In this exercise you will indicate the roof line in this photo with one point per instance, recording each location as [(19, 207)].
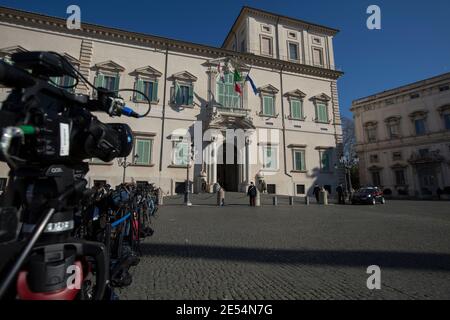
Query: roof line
[(402, 88), (330, 73), (333, 30)]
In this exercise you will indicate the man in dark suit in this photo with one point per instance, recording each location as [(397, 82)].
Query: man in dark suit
[(252, 194)]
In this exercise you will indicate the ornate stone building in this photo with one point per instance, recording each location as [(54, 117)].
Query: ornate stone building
[(291, 127), (403, 138)]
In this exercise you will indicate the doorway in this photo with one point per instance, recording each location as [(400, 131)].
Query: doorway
[(228, 174)]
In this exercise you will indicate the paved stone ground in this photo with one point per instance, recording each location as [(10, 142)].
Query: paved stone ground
[(300, 252)]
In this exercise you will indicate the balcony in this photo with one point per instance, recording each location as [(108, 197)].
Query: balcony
[(233, 118)]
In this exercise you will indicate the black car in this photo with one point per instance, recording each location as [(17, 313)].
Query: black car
[(368, 196)]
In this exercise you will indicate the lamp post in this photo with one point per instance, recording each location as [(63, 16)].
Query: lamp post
[(122, 162)]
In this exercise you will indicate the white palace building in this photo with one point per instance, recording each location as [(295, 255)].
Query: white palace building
[(290, 119)]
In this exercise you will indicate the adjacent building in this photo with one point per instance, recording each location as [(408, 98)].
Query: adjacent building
[(291, 125), (403, 138)]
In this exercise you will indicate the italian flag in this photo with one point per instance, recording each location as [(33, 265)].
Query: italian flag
[(237, 79)]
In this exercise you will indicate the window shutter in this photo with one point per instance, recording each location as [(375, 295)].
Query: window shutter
[(172, 95), (99, 80), (139, 87), (154, 96), (117, 83), (191, 95)]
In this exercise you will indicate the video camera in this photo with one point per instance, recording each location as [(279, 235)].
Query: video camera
[(46, 133)]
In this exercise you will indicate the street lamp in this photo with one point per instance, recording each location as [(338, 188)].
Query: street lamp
[(348, 163), (122, 162)]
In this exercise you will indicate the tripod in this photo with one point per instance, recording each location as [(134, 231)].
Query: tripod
[(47, 200)]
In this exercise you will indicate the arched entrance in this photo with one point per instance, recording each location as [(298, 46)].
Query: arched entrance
[(228, 173)]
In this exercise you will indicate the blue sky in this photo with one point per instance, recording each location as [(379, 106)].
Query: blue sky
[(414, 42)]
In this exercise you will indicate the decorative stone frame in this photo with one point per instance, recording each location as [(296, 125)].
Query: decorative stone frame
[(271, 91), (184, 78), (299, 51), (146, 73), (300, 96), (369, 126), (266, 35), (323, 98), (390, 121), (418, 115)]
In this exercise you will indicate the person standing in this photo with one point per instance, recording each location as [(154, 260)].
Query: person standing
[(220, 196), (340, 192), (252, 192), (316, 192)]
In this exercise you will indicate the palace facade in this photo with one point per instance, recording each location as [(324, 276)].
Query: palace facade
[(291, 124)]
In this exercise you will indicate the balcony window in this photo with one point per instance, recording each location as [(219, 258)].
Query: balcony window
[(226, 93)]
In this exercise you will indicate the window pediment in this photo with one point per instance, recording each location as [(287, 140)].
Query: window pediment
[(444, 109), (399, 166), (11, 50), (418, 114), (147, 71), (109, 66), (393, 120), (322, 97), (270, 89), (370, 124), (183, 76), (295, 94), (375, 168)]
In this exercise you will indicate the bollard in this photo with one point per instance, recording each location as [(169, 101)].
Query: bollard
[(307, 200), (160, 197), (258, 199), (275, 201), (291, 201), (323, 197)]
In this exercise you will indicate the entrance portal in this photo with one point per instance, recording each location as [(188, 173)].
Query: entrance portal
[(228, 174)]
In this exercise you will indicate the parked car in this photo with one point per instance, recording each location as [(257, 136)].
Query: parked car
[(368, 196)]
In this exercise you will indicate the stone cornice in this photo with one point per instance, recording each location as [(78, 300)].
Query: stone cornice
[(39, 21)]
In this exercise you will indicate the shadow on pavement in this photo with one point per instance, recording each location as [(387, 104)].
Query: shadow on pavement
[(384, 259)]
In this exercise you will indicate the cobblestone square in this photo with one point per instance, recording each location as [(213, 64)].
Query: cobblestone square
[(302, 252)]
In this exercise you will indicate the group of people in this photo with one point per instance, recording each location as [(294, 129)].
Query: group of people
[(340, 190)]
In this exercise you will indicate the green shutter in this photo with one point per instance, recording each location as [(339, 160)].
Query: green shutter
[(139, 87), (191, 95), (296, 111), (100, 81), (154, 96), (117, 83)]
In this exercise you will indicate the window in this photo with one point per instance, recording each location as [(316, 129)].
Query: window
[(109, 82), (325, 160), (317, 40), (266, 46), (301, 189), (226, 93), (3, 182), (374, 158), (293, 51), (424, 153), (150, 88), (64, 81), (397, 156), (296, 109), (371, 132), (444, 88), (272, 189), (265, 28), (322, 112), (394, 130), (447, 121), (292, 34), (143, 151), (270, 158), (183, 94), (317, 57), (419, 125), (268, 106), (376, 178), (390, 102), (299, 160), (180, 153), (415, 96), (400, 177)]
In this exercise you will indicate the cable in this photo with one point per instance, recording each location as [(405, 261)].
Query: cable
[(86, 81)]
